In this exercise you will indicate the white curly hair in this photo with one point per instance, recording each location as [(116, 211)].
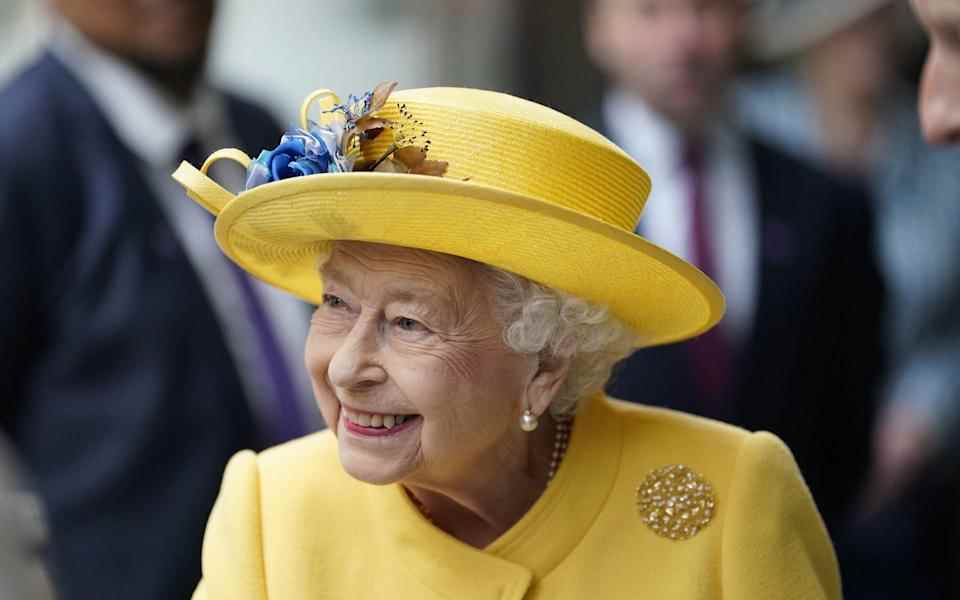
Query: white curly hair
[(550, 323)]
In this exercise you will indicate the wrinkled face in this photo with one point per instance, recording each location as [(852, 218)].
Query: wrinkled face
[(940, 89), (159, 34), (677, 54), (408, 364)]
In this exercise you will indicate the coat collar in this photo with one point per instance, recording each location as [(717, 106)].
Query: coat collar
[(537, 543)]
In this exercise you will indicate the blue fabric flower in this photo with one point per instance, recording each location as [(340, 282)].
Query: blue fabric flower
[(299, 153)]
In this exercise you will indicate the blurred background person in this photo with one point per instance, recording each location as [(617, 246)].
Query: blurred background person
[(23, 573), (940, 97), (798, 351), (840, 98), (127, 383)]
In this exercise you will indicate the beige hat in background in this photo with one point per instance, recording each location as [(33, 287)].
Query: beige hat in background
[(780, 28)]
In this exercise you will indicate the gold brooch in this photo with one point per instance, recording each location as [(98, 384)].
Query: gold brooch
[(675, 502)]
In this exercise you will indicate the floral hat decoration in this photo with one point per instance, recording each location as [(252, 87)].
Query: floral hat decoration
[(333, 145), (471, 173)]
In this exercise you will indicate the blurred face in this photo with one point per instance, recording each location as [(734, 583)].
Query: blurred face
[(862, 57), (161, 35), (676, 54), (940, 89), (409, 367)]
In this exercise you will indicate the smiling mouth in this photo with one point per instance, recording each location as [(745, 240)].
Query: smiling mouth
[(376, 424)]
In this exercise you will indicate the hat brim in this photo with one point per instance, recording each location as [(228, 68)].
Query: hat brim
[(276, 232)]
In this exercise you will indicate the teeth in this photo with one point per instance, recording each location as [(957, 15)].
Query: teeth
[(378, 420)]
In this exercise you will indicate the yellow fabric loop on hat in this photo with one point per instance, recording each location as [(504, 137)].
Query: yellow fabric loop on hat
[(238, 156), (327, 99), (201, 188)]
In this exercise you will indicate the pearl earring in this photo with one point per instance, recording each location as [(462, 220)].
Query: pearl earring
[(528, 421)]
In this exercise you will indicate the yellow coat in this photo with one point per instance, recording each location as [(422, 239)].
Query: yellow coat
[(291, 525)]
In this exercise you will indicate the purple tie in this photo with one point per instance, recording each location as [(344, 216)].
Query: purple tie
[(709, 353), (284, 420)]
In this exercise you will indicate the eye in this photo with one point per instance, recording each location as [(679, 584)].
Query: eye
[(408, 324), (333, 301)]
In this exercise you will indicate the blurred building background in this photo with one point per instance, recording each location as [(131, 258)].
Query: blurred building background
[(279, 53)]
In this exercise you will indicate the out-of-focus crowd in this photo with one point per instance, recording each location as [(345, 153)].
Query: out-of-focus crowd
[(135, 359)]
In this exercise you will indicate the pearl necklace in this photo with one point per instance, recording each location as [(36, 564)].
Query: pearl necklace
[(561, 438)]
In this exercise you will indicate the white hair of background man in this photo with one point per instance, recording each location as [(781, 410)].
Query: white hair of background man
[(23, 535), (23, 29)]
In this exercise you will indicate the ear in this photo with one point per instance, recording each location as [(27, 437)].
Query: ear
[(545, 384)]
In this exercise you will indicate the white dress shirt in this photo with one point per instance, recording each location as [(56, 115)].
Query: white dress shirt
[(731, 205), (156, 128)]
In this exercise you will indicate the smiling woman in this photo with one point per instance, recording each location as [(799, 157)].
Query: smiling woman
[(476, 276)]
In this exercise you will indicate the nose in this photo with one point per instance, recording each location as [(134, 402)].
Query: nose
[(354, 364), (940, 99)]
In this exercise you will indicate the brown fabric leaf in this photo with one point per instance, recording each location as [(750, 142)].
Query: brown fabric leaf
[(367, 123), (436, 168), (380, 94), (391, 166), (371, 134), (412, 156)]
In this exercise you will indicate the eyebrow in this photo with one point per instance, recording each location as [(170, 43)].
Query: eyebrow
[(397, 292), (327, 273)]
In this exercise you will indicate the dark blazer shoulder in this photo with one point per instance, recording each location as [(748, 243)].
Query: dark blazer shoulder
[(253, 124), (35, 108), (776, 168)]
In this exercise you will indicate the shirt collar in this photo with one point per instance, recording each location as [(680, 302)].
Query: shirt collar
[(149, 121), (644, 134), (651, 139)]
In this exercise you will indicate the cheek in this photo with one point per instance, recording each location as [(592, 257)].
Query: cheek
[(460, 389), (317, 355)]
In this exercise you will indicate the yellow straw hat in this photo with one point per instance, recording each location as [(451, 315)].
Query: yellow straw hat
[(524, 188)]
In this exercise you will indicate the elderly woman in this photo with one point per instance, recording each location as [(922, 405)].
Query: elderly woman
[(476, 275)]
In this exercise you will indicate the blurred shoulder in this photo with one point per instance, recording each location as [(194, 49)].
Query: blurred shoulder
[(784, 175), (31, 103), (256, 127)]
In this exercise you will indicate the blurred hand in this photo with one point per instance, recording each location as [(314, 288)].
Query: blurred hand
[(904, 442)]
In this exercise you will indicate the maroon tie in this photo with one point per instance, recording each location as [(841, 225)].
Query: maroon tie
[(710, 353)]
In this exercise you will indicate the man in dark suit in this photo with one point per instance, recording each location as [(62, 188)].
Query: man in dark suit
[(798, 352), (125, 368)]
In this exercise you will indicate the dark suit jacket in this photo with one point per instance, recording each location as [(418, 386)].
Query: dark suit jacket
[(810, 366), (117, 386)]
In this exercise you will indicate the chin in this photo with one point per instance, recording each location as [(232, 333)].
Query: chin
[(370, 469)]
